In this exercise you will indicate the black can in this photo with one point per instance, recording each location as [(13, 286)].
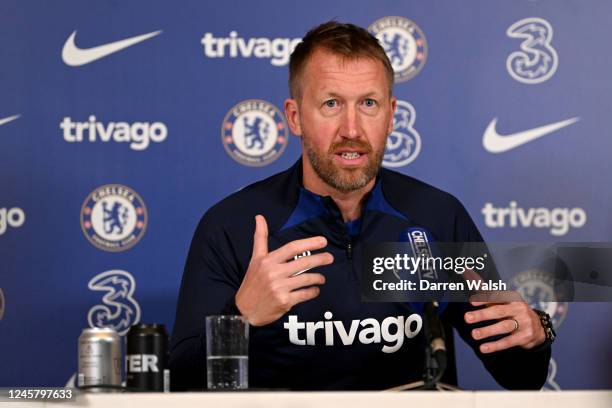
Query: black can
[(147, 358)]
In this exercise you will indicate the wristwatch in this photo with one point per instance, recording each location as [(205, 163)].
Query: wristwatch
[(549, 330)]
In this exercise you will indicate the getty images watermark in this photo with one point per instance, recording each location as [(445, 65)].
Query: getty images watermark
[(420, 270)]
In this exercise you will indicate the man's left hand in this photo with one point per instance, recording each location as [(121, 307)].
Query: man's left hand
[(514, 318)]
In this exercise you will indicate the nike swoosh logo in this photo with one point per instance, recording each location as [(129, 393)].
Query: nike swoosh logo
[(493, 142), (9, 119), (75, 56)]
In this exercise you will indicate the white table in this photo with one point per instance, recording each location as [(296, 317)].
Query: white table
[(428, 399)]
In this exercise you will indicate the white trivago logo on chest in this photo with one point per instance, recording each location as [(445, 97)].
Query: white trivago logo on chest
[(391, 330)]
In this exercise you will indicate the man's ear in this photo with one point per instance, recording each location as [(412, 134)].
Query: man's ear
[(292, 114), (393, 106)]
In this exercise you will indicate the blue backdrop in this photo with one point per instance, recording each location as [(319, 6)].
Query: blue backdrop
[(479, 82)]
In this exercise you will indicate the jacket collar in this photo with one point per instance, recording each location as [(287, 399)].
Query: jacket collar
[(311, 205)]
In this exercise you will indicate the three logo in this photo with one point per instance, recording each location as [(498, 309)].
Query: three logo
[(118, 310), (404, 143), (537, 61)]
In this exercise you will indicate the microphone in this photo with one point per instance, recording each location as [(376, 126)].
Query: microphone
[(436, 359), (434, 335)]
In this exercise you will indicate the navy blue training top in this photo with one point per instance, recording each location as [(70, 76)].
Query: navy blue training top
[(334, 341)]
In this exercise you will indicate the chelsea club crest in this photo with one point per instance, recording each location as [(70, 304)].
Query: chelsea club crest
[(113, 217), (254, 133), (404, 43), (538, 288)]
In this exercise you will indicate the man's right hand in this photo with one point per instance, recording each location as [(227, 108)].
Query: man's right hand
[(269, 288)]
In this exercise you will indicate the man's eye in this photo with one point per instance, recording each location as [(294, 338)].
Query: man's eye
[(332, 103), (369, 102)]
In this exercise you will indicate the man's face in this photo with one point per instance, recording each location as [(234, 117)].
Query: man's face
[(344, 116)]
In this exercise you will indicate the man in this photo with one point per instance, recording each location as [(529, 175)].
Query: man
[(309, 330)]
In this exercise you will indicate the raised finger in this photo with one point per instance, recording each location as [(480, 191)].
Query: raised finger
[(260, 238), (302, 295), (297, 247), (507, 342), (503, 327), (495, 296), (305, 263), (303, 280), (494, 312)]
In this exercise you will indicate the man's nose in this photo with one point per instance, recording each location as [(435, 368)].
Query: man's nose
[(350, 127)]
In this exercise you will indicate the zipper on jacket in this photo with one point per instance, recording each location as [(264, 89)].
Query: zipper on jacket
[(349, 250)]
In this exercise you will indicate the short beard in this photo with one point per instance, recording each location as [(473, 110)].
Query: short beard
[(344, 180)]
